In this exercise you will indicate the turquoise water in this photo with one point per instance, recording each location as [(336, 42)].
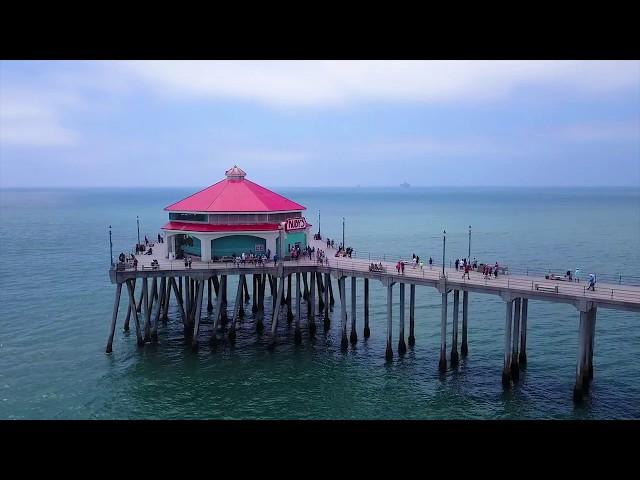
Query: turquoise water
[(56, 301)]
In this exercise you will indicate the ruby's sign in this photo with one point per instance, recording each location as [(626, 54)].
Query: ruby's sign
[(295, 224)]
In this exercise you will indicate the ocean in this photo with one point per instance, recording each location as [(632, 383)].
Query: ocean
[(56, 301)]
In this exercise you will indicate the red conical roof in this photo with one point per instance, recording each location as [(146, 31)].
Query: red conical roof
[(235, 194)]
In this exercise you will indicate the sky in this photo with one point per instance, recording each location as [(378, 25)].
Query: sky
[(320, 123)]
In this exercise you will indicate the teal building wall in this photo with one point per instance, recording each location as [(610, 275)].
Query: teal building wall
[(292, 238), (237, 244)]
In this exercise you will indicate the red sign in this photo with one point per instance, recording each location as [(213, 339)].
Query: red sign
[(295, 224)]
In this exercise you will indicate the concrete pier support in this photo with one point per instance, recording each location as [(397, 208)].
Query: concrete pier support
[(276, 311), (289, 312), (321, 302), (223, 290), (176, 292), (344, 343), (522, 357), (236, 310), (442, 364), (592, 337), (159, 306), (216, 285), (167, 301), (218, 313), (353, 337), (464, 350), (209, 297), (199, 286), (331, 300), (242, 299), (146, 314), (515, 369), (187, 300), (581, 367), (116, 306), (402, 347), (506, 369), (297, 334), (412, 314), (327, 320), (245, 287), (367, 331), (454, 330), (132, 307), (305, 294), (126, 320), (312, 304), (254, 296), (388, 354), (262, 285)]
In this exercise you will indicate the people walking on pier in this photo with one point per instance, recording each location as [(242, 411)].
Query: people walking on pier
[(577, 275), (430, 263), (146, 240), (466, 271), (457, 263), (402, 267), (135, 263), (398, 267), (592, 282)]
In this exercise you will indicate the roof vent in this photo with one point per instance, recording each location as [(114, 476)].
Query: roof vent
[(235, 173)]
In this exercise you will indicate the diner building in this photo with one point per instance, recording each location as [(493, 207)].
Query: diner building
[(234, 216)]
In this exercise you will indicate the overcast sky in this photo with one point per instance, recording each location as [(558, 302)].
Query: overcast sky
[(320, 123)]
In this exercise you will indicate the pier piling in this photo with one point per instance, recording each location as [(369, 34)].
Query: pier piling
[(454, 329), (146, 314), (126, 320), (465, 309), (367, 331), (116, 305), (344, 343), (353, 338), (159, 305), (312, 304), (442, 364), (412, 311), (327, 282), (236, 310), (506, 373), (578, 389), (402, 347), (522, 357), (515, 369), (297, 334), (132, 305), (388, 354), (199, 285), (321, 303), (289, 312), (209, 298)]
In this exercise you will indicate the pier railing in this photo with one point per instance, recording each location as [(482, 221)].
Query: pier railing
[(533, 271), (355, 267)]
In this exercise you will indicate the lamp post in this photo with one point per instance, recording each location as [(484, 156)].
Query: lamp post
[(444, 244), (318, 223), (110, 246), (138, 220), (344, 247), (469, 256)]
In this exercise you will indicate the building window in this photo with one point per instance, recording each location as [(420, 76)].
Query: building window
[(188, 217)]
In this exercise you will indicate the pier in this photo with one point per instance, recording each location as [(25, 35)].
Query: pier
[(171, 281)]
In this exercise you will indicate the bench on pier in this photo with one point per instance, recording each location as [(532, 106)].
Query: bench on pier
[(226, 259), (145, 267), (547, 288)]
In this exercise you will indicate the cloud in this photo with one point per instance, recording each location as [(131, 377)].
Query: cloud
[(336, 83), (32, 118)]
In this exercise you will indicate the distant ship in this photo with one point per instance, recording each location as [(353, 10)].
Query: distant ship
[(405, 184)]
